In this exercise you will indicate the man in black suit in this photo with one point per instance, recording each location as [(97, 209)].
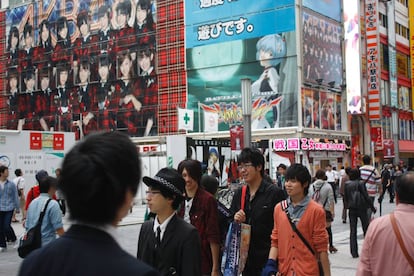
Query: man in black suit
[(99, 180), (168, 243)]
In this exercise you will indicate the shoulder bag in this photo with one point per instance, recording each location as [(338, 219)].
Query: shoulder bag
[(400, 241), (32, 239), (284, 206)]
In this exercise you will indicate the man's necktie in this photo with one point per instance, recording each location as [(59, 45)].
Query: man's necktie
[(158, 237)]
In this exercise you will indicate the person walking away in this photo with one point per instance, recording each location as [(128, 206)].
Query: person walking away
[(344, 180), (288, 254), (261, 198), (34, 192), (200, 209), (52, 221), (382, 252), (323, 195), (59, 195), (9, 201), (97, 201), (331, 178), (386, 184), (358, 202), (372, 180), (19, 181), (167, 242)]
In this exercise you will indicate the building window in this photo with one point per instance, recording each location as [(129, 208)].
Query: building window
[(383, 20), (385, 93), (402, 30), (384, 57)]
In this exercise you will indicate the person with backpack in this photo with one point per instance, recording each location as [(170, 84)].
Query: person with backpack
[(322, 193), (358, 202)]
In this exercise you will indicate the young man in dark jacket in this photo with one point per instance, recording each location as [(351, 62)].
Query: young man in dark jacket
[(358, 202)]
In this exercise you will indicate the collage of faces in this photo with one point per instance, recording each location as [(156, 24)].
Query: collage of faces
[(77, 79)]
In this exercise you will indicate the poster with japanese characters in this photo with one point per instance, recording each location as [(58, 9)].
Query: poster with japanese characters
[(227, 41)]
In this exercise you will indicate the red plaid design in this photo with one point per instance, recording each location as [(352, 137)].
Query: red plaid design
[(125, 39)]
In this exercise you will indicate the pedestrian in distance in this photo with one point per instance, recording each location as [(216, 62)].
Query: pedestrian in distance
[(372, 179), (200, 209), (292, 253), (19, 181), (382, 251), (9, 201), (261, 198), (97, 201), (358, 202), (167, 242), (52, 221), (324, 195), (344, 179)]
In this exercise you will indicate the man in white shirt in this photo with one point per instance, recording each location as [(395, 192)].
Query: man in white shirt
[(19, 181), (331, 178)]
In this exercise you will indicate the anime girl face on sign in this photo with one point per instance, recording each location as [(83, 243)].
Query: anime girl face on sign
[(270, 50)]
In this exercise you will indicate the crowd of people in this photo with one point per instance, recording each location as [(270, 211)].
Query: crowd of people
[(290, 218)]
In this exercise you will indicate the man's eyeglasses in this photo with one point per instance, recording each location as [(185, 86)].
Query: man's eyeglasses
[(152, 193), (244, 166)]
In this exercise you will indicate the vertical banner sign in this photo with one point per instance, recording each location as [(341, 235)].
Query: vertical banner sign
[(392, 56), (35, 140), (371, 21), (352, 56), (411, 22), (58, 141)]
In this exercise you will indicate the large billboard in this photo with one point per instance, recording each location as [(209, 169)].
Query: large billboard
[(322, 50), (82, 66), (264, 53), (352, 56)]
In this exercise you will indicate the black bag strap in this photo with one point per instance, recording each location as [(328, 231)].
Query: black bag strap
[(295, 229), (366, 180), (42, 214)]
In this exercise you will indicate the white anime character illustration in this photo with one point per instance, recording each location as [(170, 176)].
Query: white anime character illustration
[(271, 50)]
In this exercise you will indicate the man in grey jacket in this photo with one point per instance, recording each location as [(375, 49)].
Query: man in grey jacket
[(322, 192)]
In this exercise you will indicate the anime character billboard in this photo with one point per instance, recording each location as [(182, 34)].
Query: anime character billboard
[(264, 53), (83, 66)]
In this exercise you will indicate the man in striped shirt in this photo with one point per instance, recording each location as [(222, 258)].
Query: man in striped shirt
[(372, 179)]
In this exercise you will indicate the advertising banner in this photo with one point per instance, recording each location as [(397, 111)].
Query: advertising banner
[(373, 65), (352, 56), (82, 66)]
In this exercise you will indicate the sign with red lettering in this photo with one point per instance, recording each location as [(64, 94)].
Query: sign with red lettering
[(58, 141), (35, 140), (376, 136)]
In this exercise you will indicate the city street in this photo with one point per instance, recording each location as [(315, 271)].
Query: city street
[(342, 264)]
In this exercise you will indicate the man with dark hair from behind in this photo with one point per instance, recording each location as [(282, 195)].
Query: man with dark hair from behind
[(372, 179), (52, 221), (381, 252), (99, 179), (261, 198)]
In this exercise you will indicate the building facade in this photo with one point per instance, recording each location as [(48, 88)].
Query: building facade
[(86, 65)]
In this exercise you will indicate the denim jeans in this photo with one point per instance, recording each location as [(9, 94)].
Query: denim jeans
[(354, 214), (5, 227)]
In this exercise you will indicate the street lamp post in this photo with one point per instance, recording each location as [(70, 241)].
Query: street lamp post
[(246, 95)]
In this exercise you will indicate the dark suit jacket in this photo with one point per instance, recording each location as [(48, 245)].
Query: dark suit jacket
[(179, 252), (85, 251)]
